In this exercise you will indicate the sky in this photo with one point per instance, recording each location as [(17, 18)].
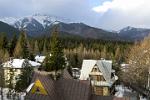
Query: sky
[(106, 14)]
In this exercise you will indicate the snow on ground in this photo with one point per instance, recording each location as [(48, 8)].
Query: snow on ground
[(5, 93), (142, 98), (123, 91), (120, 91)]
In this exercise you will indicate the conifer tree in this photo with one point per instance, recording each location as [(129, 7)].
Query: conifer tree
[(55, 59), (3, 41), (22, 48), (44, 48), (25, 77), (12, 44), (36, 48)]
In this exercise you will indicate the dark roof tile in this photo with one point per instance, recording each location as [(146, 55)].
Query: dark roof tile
[(66, 88)]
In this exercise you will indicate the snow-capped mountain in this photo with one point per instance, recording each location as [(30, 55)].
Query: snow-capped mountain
[(9, 20), (37, 25), (34, 24), (128, 28), (44, 20), (132, 33)]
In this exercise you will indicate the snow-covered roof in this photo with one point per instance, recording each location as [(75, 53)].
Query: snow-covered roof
[(87, 66), (105, 66), (34, 64), (18, 63), (39, 58), (15, 63)]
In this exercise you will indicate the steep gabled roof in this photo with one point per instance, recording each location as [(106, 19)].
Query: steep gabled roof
[(48, 84), (87, 66), (104, 66), (65, 88)]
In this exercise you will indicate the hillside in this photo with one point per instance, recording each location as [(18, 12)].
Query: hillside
[(133, 34), (39, 25), (9, 30)]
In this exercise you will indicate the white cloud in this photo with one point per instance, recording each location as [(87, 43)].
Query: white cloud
[(113, 14), (117, 14), (103, 8), (124, 5)]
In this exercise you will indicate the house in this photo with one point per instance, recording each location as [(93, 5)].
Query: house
[(76, 73), (43, 87), (39, 58), (101, 75), (16, 65), (124, 67)]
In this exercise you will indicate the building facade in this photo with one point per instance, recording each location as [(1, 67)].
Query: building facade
[(13, 68), (100, 74)]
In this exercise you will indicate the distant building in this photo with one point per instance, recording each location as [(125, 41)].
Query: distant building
[(101, 75), (76, 73), (16, 65), (124, 67), (39, 58)]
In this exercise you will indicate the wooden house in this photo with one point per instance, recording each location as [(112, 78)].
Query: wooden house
[(101, 75)]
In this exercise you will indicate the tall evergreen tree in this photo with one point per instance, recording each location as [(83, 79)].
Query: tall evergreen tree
[(22, 49), (3, 41), (24, 78), (36, 48), (12, 44), (44, 48), (55, 60)]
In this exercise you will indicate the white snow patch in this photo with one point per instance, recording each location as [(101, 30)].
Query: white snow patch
[(39, 58), (34, 64), (29, 87), (120, 90), (18, 63)]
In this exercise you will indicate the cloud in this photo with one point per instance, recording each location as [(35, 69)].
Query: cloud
[(76, 10), (124, 5), (104, 7), (117, 14), (109, 14)]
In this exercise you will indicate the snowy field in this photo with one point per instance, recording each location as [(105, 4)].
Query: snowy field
[(19, 96), (123, 91)]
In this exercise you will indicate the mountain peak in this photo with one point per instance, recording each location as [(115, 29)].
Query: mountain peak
[(128, 28)]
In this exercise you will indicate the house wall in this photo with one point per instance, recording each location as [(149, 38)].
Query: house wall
[(99, 90), (17, 72), (96, 76)]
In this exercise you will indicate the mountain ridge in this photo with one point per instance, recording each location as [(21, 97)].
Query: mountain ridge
[(37, 25), (134, 34)]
